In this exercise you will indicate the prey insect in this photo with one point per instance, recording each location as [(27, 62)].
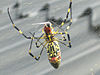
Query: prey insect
[(50, 41)]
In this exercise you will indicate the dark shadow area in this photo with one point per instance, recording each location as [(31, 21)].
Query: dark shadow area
[(89, 14), (46, 9), (0, 11), (18, 13)]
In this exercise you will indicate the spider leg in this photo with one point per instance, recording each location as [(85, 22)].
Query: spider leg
[(38, 40), (69, 41), (67, 15), (68, 45), (36, 58), (27, 37), (40, 44)]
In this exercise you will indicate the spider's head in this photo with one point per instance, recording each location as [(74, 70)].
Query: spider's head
[(47, 28)]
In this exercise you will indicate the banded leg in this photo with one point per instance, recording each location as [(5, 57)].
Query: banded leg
[(69, 41), (27, 37), (62, 34), (39, 44), (38, 40), (70, 15), (36, 58), (64, 39), (67, 15), (64, 44)]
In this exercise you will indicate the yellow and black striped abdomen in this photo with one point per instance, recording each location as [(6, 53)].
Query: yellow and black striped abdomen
[(54, 54)]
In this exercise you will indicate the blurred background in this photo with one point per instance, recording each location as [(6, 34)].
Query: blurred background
[(82, 59)]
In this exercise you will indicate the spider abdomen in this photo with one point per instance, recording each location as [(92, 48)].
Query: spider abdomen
[(54, 54)]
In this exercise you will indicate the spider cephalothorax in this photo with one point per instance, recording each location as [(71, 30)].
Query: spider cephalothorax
[(47, 28)]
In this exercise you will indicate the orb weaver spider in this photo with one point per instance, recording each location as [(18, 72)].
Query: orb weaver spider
[(51, 42)]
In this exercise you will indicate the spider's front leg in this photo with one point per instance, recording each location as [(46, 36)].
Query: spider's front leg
[(20, 31), (66, 18)]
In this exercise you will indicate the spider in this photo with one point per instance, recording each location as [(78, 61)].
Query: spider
[(50, 41)]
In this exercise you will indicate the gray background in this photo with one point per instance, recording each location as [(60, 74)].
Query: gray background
[(82, 59)]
